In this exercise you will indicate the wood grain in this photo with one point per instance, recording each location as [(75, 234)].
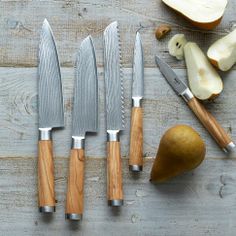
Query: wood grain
[(72, 21), (46, 192), (114, 172), (136, 137), (75, 185), (210, 123)]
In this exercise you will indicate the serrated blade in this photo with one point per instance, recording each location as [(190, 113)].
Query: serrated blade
[(138, 68), (85, 108), (51, 111), (113, 78), (178, 86)]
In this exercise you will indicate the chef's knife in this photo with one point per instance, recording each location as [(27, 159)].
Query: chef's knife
[(84, 119), (136, 130), (114, 116), (208, 121), (51, 115)]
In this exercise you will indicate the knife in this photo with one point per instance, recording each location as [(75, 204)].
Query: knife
[(208, 121), (136, 132), (114, 113), (51, 115), (84, 119)]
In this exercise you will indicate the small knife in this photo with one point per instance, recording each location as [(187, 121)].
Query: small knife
[(84, 119), (136, 130), (114, 116), (208, 121), (51, 115)]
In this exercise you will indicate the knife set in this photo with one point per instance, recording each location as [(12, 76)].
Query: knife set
[(85, 117)]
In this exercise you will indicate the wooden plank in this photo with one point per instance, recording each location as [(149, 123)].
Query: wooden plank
[(20, 23), (198, 203), (162, 109)]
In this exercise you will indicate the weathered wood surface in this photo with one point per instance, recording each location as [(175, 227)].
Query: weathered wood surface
[(198, 203), (162, 109), (21, 21)]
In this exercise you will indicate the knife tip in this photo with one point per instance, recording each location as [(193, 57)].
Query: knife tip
[(111, 26)]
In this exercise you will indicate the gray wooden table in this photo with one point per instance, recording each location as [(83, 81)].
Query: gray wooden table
[(202, 202)]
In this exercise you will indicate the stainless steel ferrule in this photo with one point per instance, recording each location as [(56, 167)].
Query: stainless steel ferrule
[(187, 95), (45, 134), (136, 101), (73, 216), (229, 147), (113, 135), (78, 142)]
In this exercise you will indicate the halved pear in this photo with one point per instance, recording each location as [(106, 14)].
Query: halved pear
[(205, 14), (222, 53), (176, 46), (204, 81)]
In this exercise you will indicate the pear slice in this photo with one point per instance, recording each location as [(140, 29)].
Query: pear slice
[(205, 14), (222, 53), (176, 46), (204, 81)]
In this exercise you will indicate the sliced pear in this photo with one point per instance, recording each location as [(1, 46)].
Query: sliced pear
[(204, 81), (176, 46), (222, 53), (205, 14)]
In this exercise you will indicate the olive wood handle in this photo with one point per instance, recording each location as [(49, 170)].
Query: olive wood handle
[(114, 174), (210, 123), (75, 188), (136, 138), (46, 192)]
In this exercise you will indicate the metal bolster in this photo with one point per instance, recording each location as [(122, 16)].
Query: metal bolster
[(187, 95), (78, 142), (136, 101), (45, 134), (113, 135)]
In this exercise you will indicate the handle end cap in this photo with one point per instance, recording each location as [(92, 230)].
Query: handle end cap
[(73, 216), (135, 168), (229, 147), (115, 202), (47, 209)]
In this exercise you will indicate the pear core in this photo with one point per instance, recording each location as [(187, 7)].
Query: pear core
[(181, 149)]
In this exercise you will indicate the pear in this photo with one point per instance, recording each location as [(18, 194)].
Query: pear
[(205, 14), (205, 83), (222, 53), (176, 46), (181, 149)]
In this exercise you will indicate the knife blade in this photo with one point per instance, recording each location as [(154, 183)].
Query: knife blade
[(114, 113), (136, 131), (51, 115), (84, 119), (207, 119)]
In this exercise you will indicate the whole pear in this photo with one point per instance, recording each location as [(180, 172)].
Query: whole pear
[(181, 149)]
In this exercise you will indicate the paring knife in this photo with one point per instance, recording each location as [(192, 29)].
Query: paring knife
[(51, 115), (114, 113), (208, 121), (84, 119), (136, 132)]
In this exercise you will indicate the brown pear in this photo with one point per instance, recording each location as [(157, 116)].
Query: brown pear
[(181, 149)]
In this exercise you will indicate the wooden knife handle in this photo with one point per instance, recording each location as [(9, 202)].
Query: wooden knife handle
[(114, 174), (46, 193), (136, 140), (75, 188), (210, 123)]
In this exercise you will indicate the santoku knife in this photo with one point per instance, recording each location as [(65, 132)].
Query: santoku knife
[(51, 115), (208, 121), (84, 119), (114, 113), (136, 130)]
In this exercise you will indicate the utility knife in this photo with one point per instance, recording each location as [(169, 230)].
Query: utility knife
[(136, 129), (51, 115), (84, 119), (207, 119), (114, 113)]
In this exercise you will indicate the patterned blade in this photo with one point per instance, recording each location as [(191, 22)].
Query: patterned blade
[(138, 68), (177, 85), (113, 78), (85, 109), (51, 112)]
